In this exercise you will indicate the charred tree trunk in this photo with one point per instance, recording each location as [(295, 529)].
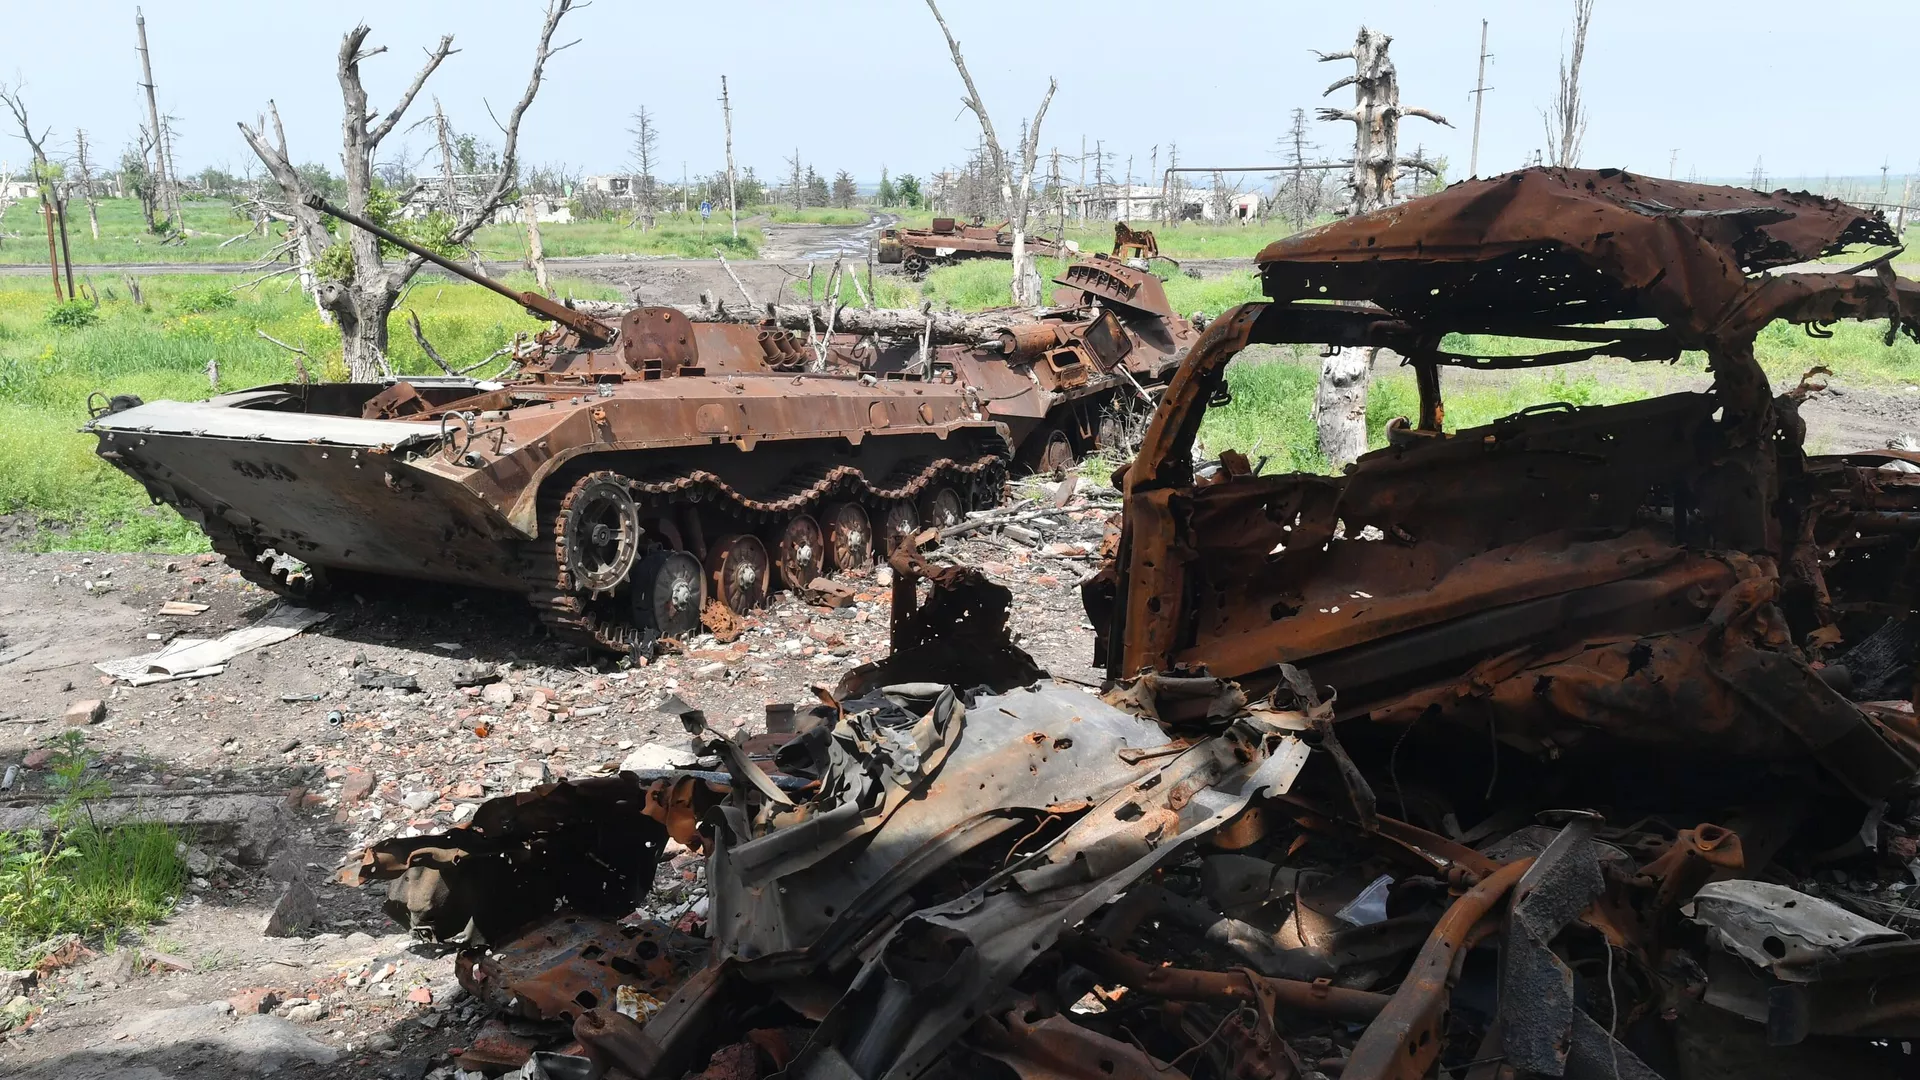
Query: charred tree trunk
[(361, 315), (1340, 402)]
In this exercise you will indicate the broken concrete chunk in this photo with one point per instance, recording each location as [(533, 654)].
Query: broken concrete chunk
[(82, 713), (654, 756), (373, 678), (294, 912), (497, 693), (476, 675), (356, 785)]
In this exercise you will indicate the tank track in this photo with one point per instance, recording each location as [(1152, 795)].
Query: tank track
[(245, 559), (566, 613)]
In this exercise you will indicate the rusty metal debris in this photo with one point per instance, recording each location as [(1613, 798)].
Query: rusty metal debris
[(1578, 745), (947, 241)]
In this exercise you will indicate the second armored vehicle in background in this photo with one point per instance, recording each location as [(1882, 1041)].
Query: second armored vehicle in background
[(917, 250)]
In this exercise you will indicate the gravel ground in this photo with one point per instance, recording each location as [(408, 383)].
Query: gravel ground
[(313, 767)]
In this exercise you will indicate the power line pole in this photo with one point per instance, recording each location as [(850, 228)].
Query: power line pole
[(1673, 163), (1480, 89), (726, 110), (153, 113)]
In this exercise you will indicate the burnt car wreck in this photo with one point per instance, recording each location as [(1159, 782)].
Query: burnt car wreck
[(1582, 744)]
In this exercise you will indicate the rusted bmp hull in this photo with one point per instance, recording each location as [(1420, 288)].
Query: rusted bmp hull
[(410, 498), (356, 498)]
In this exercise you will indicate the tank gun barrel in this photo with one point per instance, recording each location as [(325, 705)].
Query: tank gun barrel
[(538, 306)]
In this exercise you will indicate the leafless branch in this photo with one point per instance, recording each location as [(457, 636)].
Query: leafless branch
[(1424, 114), (972, 100), (543, 51), (434, 60), (419, 335), (299, 355)]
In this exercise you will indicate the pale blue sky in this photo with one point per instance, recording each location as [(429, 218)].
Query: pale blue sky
[(861, 83)]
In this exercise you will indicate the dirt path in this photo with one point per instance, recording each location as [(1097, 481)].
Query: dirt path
[(314, 767)]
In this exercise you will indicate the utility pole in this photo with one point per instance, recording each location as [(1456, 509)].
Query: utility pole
[(1480, 89), (86, 185), (1083, 177), (726, 110), (1099, 168), (1673, 163), (153, 111)]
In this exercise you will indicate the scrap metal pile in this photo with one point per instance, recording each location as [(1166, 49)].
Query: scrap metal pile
[(1581, 745)]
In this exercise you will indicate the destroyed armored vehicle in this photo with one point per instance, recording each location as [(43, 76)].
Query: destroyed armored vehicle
[(629, 473), (1073, 379), (1067, 380), (948, 241)]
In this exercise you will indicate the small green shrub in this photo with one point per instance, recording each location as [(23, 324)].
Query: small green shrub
[(204, 300), (78, 877), (72, 315)]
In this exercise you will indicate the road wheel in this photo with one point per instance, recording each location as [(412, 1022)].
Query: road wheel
[(669, 589), (942, 508), (739, 567), (849, 537), (801, 552), (1049, 452), (603, 533), (914, 266), (898, 526)]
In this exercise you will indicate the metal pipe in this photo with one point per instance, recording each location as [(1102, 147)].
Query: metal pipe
[(1181, 984), (1406, 1038), (539, 306)]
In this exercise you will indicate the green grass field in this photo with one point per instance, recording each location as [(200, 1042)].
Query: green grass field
[(124, 237), (979, 284), (161, 350), (672, 234)]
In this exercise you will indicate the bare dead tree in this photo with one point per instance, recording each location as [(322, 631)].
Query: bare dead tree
[(1375, 117), (1340, 403), (1026, 278), (646, 151), (796, 181), (366, 287), (1566, 119), (443, 133), (43, 175), (86, 183)]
